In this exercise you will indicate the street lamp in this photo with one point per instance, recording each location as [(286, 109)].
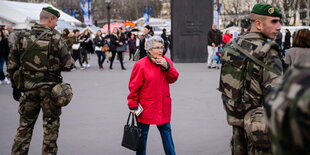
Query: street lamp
[(108, 2)]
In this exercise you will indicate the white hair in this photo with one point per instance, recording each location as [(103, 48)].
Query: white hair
[(150, 42)]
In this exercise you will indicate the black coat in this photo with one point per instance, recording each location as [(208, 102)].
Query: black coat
[(4, 48), (99, 41), (114, 42), (287, 41), (87, 44), (142, 45), (214, 36)]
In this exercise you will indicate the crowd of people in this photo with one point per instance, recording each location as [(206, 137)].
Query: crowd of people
[(217, 41), (107, 46)]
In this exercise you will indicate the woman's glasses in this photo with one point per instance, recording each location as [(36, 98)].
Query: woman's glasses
[(158, 48)]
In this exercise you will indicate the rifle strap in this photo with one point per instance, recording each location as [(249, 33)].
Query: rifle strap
[(31, 45), (235, 45)]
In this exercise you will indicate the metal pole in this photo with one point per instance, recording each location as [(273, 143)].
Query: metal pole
[(109, 17), (71, 10)]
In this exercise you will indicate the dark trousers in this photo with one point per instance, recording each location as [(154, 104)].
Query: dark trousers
[(84, 55), (166, 137), (120, 57), (2, 61), (131, 53), (77, 56), (101, 58)]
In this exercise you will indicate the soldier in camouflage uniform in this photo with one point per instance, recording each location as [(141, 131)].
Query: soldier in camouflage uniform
[(40, 55), (250, 69), (288, 113)]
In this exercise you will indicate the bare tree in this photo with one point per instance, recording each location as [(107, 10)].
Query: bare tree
[(307, 4)]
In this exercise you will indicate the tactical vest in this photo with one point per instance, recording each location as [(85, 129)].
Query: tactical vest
[(239, 71)]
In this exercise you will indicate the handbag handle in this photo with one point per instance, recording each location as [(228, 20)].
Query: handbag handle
[(132, 120)]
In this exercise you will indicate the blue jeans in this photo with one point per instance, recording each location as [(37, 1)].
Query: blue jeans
[(166, 137), (101, 57), (2, 76)]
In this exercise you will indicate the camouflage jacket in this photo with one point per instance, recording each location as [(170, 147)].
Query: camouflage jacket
[(288, 112), (245, 90), (43, 62)]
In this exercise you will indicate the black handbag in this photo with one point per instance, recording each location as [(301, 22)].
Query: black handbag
[(132, 135), (121, 48)]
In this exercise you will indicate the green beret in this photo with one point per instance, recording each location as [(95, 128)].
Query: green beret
[(52, 11), (266, 10)]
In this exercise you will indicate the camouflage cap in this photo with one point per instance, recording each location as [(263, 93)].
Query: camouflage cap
[(52, 11), (266, 10)]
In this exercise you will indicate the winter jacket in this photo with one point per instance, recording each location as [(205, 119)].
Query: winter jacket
[(149, 87), (214, 36)]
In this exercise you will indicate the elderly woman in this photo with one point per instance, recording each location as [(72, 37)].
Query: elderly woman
[(300, 53), (149, 87)]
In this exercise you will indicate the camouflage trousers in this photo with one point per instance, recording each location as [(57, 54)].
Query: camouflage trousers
[(30, 105), (252, 138)]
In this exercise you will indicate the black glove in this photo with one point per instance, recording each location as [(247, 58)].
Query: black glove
[(16, 94)]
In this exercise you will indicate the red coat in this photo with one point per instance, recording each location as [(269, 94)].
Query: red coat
[(149, 86), (226, 38)]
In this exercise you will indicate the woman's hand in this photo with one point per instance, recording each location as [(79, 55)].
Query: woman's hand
[(160, 61), (133, 111)]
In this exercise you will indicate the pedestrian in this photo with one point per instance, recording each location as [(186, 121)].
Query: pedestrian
[(242, 32), (39, 66), (251, 66), (76, 48), (67, 38), (287, 41), (214, 42), (165, 37), (149, 87), (132, 45), (4, 52), (300, 52), (116, 41), (99, 43), (123, 45), (278, 39), (12, 35), (226, 38), (85, 42), (147, 33), (288, 112), (108, 53)]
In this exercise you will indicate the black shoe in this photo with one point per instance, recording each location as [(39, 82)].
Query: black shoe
[(209, 67), (111, 67), (123, 68)]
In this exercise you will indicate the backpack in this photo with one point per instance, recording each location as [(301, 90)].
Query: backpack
[(237, 64), (23, 44)]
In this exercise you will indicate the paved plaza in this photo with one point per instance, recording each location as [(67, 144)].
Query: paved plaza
[(92, 124)]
